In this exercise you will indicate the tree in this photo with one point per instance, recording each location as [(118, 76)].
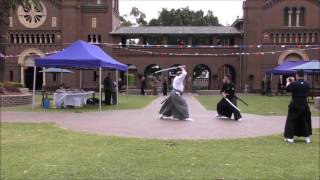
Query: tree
[(139, 16), (5, 7), (184, 17), (124, 21)]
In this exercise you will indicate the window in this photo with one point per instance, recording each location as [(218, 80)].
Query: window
[(94, 23), (54, 21), (54, 77), (89, 38), (11, 75), (294, 17), (99, 38), (302, 16), (95, 76), (12, 38), (286, 16)]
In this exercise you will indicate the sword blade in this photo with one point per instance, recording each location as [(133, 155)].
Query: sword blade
[(232, 104), (167, 69)]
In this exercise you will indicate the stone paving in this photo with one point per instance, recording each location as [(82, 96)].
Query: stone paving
[(145, 123)]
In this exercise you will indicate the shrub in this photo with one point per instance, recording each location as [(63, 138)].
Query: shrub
[(8, 86)]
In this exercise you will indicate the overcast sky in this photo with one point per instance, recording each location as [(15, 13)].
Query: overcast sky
[(226, 10)]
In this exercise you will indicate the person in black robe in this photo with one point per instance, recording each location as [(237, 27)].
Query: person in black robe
[(224, 108), (165, 87), (143, 86), (298, 121), (268, 87), (108, 89)]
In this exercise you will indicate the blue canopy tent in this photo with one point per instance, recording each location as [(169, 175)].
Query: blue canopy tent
[(285, 68), (313, 65), (81, 54)]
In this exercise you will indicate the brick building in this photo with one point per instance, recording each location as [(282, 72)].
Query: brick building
[(209, 52)]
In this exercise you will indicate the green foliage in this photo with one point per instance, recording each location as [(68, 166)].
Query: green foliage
[(124, 21), (8, 87), (184, 17), (174, 17), (43, 151), (131, 79)]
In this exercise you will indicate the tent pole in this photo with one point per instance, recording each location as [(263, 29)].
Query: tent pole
[(127, 84), (34, 86), (61, 76), (117, 86), (100, 88), (80, 79), (44, 77)]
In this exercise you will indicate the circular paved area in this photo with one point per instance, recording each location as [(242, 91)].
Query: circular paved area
[(145, 123)]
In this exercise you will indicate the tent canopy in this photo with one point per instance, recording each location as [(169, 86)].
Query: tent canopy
[(57, 70), (285, 67), (313, 65), (81, 54)]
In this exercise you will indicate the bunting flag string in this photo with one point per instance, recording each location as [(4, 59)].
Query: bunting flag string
[(130, 48)]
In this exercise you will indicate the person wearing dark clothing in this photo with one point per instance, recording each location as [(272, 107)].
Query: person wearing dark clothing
[(108, 89), (279, 89), (268, 86), (298, 121), (224, 108), (143, 86), (114, 94), (120, 85), (165, 87), (262, 88)]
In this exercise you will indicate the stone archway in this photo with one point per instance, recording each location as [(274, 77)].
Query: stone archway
[(201, 77), (294, 54), (26, 62)]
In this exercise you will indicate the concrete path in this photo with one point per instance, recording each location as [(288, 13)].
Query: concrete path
[(145, 123)]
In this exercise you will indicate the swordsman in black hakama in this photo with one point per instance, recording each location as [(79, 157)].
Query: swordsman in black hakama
[(175, 106), (226, 109), (299, 116)]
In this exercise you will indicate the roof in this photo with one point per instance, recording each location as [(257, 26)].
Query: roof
[(81, 54), (176, 30)]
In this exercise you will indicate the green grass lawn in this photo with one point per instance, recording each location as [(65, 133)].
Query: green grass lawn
[(263, 105), (43, 151), (125, 102)]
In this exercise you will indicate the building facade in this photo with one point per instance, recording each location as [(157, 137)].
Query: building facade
[(287, 28)]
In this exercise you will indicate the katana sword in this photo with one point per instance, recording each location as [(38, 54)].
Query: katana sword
[(167, 69), (242, 101), (232, 104)]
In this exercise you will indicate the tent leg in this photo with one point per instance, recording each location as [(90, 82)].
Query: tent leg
[(34, 86), (117, 89), (100, 88), (127, 84), (80, 85), (61, 76)]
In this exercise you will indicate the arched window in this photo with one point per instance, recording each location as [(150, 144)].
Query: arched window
[(32, 39), (89, 38), (294, 17), (302, 16), (286, 16), (99, 38), (94, 39), (52, 37), (12, 38)]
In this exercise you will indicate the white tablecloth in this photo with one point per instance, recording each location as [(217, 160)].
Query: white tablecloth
[(71, 99)]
